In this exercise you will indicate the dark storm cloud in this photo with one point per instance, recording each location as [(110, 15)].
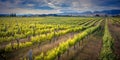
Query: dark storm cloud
[(57, 5), (109, 3)]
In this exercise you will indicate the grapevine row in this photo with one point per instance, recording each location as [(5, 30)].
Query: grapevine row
[(42, 38), (53, 53), (107, 48)]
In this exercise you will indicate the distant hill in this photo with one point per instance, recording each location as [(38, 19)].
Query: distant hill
[(72, 13), (111, 12), (108, 12)]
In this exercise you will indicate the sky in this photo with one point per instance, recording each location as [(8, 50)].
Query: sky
[(56, 6)]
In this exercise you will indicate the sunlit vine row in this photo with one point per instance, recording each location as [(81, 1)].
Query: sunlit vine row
[(53, 53), (107, 48)]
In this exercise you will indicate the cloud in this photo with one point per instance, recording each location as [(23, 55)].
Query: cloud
[(57, 5), (29, 11), (31, 5)]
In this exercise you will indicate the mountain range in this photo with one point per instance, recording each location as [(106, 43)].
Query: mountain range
[(104, 12), (73, 13)]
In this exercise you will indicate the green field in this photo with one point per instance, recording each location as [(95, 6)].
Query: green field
[(59, 38)]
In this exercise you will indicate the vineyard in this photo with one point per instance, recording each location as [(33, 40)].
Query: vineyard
[(59, 38)]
